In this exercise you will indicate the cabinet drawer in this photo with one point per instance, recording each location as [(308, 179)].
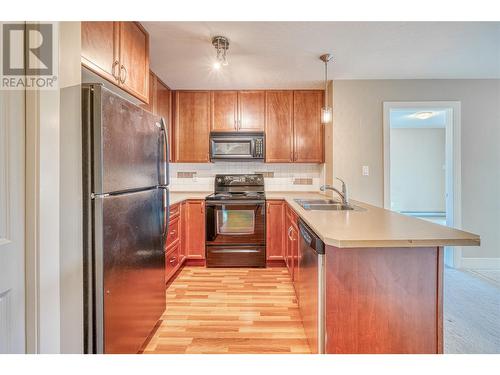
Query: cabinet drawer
[(174, 210), (172, 262), (173, 231)]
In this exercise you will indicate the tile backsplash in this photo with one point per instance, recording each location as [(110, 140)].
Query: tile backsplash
[(277, 177)]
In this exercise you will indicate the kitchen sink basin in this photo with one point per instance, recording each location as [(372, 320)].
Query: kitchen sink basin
[(326, 205)]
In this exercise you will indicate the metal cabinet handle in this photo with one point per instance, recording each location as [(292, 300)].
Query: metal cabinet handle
[(173, 232), (113, 68), (173, 260), (289, 236), (123, 69)]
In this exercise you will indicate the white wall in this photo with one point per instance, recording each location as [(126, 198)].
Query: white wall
[(283, 180), (358, 140), (70, 164), (417, 170), (53, 200)]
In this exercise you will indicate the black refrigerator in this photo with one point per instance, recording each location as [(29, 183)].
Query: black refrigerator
[(126, 200)]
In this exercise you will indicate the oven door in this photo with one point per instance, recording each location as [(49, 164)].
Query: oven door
[(236, 223), (229, 148)]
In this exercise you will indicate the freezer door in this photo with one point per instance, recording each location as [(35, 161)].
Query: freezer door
[(128, 144), (129, 269)]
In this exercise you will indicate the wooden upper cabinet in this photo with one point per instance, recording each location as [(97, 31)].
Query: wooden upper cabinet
[(192, 126), (308, 130), (100, 48), (151, 105), (275, 231), (224, 109), (119, 53), (164, 109), (251, 106), (134, 59), (279, 126)]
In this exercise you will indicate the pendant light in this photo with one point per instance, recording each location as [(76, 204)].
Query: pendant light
[(326, 110)]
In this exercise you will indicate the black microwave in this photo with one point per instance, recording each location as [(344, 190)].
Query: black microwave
[(242, 146)]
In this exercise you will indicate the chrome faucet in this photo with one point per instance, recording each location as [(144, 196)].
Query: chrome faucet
[(343, 194)]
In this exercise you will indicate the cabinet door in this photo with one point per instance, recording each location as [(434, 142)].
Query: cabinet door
[(134, 60), (151, 105), (164, 109), (224, 108), (279, 126), (192, 126), (308, 130), (195, 229), (252, 107), (100, 48), (275, 230)]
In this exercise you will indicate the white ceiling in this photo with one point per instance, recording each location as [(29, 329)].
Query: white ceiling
[(285, 54)]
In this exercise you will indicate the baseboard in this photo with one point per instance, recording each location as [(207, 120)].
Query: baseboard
[(480, 263), (195, 262), (275, 263)]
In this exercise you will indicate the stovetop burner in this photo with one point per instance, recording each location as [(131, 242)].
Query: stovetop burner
[(238, 186)]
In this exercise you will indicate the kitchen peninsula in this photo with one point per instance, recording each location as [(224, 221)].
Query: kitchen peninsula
[(383, 272)]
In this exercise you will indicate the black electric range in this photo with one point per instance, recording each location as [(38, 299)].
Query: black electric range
[(236, 222)]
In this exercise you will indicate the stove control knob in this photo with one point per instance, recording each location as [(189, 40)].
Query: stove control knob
[(219, 179)]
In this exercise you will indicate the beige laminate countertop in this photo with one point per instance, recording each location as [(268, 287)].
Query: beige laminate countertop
[(373, 227), (179, 196)]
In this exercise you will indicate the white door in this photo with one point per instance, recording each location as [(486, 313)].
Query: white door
[(12, 174)]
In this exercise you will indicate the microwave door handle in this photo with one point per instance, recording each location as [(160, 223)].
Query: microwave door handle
[(253, 148)]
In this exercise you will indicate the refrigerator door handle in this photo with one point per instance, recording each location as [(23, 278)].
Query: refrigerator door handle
[(165, 213), (164, 180)]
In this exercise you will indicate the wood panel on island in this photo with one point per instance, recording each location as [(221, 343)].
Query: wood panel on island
[(119, 53)]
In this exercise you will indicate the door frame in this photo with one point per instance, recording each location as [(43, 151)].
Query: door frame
[(453, 163)]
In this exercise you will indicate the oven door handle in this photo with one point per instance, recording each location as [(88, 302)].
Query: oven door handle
[(234, 202)]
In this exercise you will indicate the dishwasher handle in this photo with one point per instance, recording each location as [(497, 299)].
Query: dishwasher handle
[(310, 238)]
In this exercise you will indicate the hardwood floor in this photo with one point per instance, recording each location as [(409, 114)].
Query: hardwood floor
[(230, 310)]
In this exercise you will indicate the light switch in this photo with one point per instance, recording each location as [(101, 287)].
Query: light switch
[(365, 170)]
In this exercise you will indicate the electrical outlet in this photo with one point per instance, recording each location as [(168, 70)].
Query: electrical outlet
[(365, 170)]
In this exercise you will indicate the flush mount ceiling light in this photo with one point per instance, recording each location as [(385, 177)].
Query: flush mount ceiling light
[(326, 111), (221, 44), (423, 115)]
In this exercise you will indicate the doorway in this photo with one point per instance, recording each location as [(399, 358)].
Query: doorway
[(12, 245), (422, 163)]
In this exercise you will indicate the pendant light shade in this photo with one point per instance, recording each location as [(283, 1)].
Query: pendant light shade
[(326, 110)]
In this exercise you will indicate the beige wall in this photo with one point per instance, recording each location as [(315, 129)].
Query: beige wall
[(358, 140), (417, 170)]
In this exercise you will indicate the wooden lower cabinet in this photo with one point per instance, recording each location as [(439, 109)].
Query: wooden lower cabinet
[(193, 232), (172, 261), (384, 300), (275, 230), (173, 258)]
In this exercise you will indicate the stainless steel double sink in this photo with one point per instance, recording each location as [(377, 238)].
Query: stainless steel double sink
[(326, 205)]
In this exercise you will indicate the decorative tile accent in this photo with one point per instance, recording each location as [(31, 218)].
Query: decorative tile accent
[(266, 174), (302, 181), (186, 174)]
